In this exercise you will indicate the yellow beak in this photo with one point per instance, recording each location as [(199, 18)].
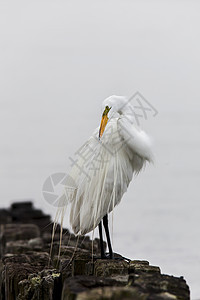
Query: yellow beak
[(104, 121)]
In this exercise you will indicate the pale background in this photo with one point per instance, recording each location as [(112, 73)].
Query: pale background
[(58, 61)]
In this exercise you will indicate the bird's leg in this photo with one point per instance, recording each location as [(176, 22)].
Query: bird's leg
[(105, 223), (103, 254), (101, 241)]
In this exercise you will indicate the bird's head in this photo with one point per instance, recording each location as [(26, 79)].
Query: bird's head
[(112, 106)]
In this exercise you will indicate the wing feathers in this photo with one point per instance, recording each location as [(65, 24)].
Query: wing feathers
[(106, 175)]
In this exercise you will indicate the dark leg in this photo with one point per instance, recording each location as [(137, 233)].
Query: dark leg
[(101, 241), (105, 223), (103, 254)]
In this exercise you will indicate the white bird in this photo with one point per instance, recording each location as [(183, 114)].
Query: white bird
[(104, 168)]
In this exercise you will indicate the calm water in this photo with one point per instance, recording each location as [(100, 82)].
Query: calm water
[(58, 62)]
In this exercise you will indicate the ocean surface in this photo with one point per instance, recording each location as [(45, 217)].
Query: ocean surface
[(58, 62)]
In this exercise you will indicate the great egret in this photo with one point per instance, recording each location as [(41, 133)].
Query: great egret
[(104, 168)]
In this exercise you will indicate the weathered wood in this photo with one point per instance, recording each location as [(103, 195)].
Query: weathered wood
[(28, 273)]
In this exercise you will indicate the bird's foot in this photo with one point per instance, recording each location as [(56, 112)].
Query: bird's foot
[(104, 256), (120, 257), (113, 256), (107, 256)]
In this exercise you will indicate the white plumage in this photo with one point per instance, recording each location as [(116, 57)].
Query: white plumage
[(105, 166)]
